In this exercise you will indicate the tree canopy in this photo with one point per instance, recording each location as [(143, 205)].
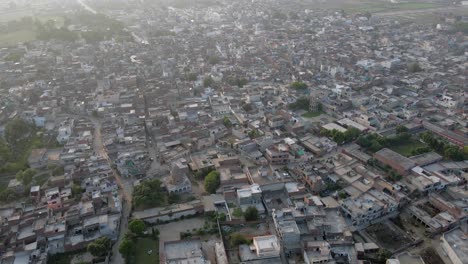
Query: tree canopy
[(212, 182), (302, 103), (251, 214), (127, 248), (149, 193), (299, 85), (99, 247), (137, 226)]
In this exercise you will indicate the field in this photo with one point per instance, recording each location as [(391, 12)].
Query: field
[(142, 247), (377, 7), (311, 114), (406, 148), (15, 37), (15, 15)]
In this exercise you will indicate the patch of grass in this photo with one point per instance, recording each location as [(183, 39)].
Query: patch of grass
[(311, 114), (406, 148), (142, 247), (18, 36)]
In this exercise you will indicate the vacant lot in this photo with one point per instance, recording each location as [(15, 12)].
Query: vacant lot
[(147, 251), (406, 148), (388, 236), (15, 37), (171, 231)]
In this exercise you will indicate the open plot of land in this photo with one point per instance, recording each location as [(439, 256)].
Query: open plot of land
[(15, 37), (15, 15), (171, 231), (147, 251), (406, 148), (388, 236)]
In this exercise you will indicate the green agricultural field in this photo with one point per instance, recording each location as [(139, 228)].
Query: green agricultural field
[(18, 36)]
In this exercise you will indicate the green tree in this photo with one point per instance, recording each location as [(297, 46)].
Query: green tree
[(212, 182), (221, 216), (237, 239), (401, 129), (137, 226), (227, 123), (302, 103), (192, 76), (208, 81), (299, 86), (127, 248), (237, 212), (414, 67), (28, 176), (149, 193), (99, 247), (251, 214)]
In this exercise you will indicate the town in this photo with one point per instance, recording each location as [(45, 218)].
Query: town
[(248, 131)]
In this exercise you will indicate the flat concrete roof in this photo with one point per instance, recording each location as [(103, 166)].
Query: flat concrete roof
[(458, 242)]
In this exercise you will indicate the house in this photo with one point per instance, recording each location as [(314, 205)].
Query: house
[(396, 161)]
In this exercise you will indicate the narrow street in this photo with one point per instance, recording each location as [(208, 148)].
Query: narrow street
[(125, 186)]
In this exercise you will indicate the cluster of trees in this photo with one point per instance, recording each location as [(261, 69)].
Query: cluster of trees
[(250, 214), (99, 247), (14, 56), (26, 176), (149, 194), (237, 239), (341, 137), (212, 182), (49, 31), (208, 81), (254, 133), (446, 149), (19, 138), (374, 142), (299, 86), (414, 67), (239, 82), (302, 103), (461, 27), (226, 122)]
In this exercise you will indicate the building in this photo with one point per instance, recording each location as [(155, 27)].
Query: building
[(183, 251), (277, 154), (264, 249), (397, 162), (454, 243)]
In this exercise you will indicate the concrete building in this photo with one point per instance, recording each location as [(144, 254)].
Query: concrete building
[(455, 245), (183, 251), (397, 162)]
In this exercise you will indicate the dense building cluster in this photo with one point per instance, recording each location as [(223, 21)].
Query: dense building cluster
[(302, 135)]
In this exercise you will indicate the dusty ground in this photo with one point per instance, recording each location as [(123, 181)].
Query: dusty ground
[(171, 231), (388, 236)]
